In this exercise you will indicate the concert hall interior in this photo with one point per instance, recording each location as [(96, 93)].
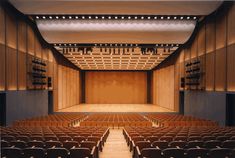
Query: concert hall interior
[(117, 79)]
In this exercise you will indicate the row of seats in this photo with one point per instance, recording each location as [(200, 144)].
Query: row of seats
[(53, 141), (176, 120), (55, 120), (183, 138), (116, 120)]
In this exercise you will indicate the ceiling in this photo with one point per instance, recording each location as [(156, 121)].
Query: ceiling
[(153, 22)]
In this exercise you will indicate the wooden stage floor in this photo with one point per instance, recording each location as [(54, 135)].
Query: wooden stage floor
[(115, 108)]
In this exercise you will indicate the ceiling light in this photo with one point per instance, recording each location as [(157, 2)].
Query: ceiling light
[(136, 17), (122, 17), (57, 17), (168, 17), (149, 17), (102, 17), (96, 17), (116, 17), (89, 17), (70, 17), (142, 17), (76, 17), (63, 17), (37, 17), (195, 17), (44, 17), (129, 17), (181, 17), (155, 17), (109, 17), (83, 17), (188, 17), (175, 17)]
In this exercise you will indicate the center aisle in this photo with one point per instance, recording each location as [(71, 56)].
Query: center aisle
[(116, 146)]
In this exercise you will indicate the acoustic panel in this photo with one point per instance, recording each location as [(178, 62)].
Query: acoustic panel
[(231, 68), (220, 70), (210, 71), (116, 87)]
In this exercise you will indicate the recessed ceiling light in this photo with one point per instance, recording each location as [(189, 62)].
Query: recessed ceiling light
[(76, 17), (57, 17), (175, 17), (188, 17), (195, 17), (129, 17), (63, 17), (181, 17), (70, 17), (142, 17), (96, 17), (44, 17), (37, 17), (102, 17), (89, 17), (109, 17), (168, 17), (149, 17), (116, 17), (136, 17), (155, 17), (122, 17), (162, 17)]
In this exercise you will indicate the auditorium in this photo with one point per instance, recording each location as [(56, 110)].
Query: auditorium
[(117, 79)]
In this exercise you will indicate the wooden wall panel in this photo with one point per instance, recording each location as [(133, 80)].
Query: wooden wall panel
[(231, 25), (11, 32), (60, 87), (38, 49), (11, 68), (21, 70), (231, 68), (194, 48), (187, 54), (164, 88), (2, 24), (210, 71), (210, 36), (2, 67), (116, 87), (22, 37), (220, 70), (220, 31), (30, 41), (202, 41)]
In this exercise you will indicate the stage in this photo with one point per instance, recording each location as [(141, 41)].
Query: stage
[(115, 108)]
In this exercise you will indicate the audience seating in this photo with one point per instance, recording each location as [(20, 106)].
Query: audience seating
[(52, 142), (55, 120), (116, 120), (177, 142), (177, 120)]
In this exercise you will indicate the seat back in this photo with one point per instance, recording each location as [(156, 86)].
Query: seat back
[(197, 152), (220, 153), (151, 153), (10, 152), (57, 152), (34, 152), (80, 152), (174, 153), (160, 144)]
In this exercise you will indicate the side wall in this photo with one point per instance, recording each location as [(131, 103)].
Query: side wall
[(18, 42), (214, 45)]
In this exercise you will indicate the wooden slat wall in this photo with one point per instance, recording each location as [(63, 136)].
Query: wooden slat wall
[(216, 48), (68, 87), (214, 44), (115, 87), (19, 43), (164, 87)]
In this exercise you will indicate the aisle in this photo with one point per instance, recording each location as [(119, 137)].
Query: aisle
[(116, 146)]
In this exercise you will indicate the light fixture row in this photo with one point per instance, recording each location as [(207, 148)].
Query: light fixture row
[(115, 17), (71, 45)]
